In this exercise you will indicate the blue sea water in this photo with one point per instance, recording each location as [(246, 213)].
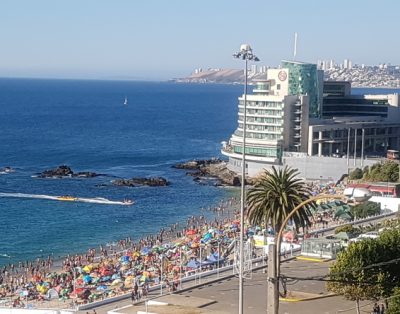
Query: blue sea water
[(84, 124)]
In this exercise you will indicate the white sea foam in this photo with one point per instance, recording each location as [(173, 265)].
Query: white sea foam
[(96, 200)]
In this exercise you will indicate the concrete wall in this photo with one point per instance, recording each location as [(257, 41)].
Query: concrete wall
[(310, 167), (327, 168)]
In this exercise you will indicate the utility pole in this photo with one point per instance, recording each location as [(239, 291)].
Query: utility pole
[(272, 290)]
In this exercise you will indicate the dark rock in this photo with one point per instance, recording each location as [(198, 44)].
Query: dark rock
[(65, 171), (213, 167), (155, 181), (197, 164)]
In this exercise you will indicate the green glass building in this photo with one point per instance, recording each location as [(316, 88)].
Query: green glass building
[(305, 79)]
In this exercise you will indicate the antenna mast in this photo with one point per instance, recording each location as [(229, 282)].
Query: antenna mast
[(295, 47)]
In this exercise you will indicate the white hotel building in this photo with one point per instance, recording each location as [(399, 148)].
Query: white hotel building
[(295, 119)]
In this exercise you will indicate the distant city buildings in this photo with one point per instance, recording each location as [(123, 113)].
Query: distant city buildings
[(360, 75), (382, 75)]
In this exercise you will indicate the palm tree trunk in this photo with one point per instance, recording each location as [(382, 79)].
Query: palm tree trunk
[(278, 254)]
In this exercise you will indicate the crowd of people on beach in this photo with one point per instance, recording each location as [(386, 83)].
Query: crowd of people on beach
[(126, 265)]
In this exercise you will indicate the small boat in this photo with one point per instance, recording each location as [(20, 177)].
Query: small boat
[(126, 100), (67, 198), (127, 201)]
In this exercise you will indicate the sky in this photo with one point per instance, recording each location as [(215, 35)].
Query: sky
[(163, 39)]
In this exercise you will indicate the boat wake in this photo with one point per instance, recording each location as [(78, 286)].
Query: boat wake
[(96, 200)]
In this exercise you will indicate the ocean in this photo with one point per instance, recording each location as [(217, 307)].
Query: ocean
[(85, 125)]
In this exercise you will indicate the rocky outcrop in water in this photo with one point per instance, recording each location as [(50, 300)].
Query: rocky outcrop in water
[(215, 168), (134, 182), (197, 164), (66, 172)]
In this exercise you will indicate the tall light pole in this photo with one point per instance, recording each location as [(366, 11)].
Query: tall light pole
[(74, 285), (246, 54), (161, 273)]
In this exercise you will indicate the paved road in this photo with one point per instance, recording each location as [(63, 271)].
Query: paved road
[(222, 296)]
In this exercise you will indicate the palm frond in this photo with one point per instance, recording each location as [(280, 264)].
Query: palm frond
[(275, 194)]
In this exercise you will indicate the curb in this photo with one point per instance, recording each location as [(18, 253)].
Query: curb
[(313, 259), (308, 299)]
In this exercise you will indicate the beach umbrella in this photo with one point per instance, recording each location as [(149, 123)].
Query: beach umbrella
[(102, 288), (207, 237), (105, 271), (52, 294), (124, 258), (78, 290), (87, 279), (145, 251), (193, 264), (115, 276), (191, 232), (87, 269), (128, 281), (116, 282), (41, 289), (105, 278)]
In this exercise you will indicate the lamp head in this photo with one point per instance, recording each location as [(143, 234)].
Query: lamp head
[(245, 48)]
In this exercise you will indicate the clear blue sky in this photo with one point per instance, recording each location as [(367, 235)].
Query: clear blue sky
[(161, 39)]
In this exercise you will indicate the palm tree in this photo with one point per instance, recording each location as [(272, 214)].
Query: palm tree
[(275, 194)]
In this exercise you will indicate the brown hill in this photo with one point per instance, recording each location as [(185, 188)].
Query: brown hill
[(228, 76)]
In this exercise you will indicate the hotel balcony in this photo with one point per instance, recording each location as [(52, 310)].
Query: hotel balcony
[(227, 150)]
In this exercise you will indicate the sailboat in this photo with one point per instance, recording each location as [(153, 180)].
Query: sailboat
[(126, 100)]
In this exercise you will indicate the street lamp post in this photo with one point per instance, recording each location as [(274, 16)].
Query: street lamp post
[(219, 256), (161, 275), (74, 285), (246, 54), (180, 267)]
